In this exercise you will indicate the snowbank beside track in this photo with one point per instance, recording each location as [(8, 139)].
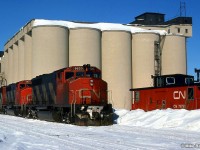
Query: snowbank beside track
[(157, 119)]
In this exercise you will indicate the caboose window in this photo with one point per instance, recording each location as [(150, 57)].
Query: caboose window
[(190, 93), (159, 82), (69, 75), (189, 81), (170, 80), (137, 96)]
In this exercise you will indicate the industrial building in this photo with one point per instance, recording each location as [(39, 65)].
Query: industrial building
[(128, 55)]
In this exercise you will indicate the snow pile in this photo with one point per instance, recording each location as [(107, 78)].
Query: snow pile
[(130, 133), (99, 26), (157, 119)]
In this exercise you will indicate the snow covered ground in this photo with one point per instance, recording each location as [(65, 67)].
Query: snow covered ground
[(159, 129)]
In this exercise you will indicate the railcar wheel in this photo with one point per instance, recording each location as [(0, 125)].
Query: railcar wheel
[(16, 112), (57, 116), (67, 118)]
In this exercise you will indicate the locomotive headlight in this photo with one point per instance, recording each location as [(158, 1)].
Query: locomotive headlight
[(91, 82)]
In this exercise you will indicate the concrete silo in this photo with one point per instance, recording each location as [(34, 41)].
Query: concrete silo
[(2, 67), (6, 68), (2, 71), (28, 56), (2, 64), (116, 66), (85, 47), (143, 66), (21, 62), (10, 65), (49, 49), (15, 62), (174, 55)]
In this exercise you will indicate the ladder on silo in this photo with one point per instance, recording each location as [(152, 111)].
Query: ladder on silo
[(157, 59)]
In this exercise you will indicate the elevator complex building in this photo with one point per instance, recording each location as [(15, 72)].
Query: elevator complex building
[(127, 54)]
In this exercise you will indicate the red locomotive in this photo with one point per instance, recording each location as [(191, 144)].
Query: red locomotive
[(74, 95), (169, 91)]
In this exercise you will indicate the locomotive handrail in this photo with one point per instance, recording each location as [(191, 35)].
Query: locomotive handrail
[(110, 97), (75, 101), (82, 95), (72, 100)]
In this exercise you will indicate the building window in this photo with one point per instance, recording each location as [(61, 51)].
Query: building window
[(186, 30), (168, 30), (179, 30)]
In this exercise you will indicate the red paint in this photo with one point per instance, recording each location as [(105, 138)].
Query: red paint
[(23, 93), (167, 97), (3, 95), (88, 88)]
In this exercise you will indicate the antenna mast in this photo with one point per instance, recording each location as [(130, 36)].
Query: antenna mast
[(182, 9)]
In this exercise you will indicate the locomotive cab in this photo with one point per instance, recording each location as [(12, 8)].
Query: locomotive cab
[(23, 93), (23, 97)]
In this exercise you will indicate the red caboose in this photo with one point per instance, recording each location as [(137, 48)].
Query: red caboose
[(170, 91)]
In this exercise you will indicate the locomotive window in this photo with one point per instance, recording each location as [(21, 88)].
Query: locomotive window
[(22, 86), (190, 93), (28, 85), (59, 75), (79, 74), (69, 75), (97, 75), (137, 96), (89, 74), (170, 80), (189, 81)]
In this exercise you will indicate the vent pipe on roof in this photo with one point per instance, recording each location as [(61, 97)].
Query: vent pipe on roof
[(197, 71)]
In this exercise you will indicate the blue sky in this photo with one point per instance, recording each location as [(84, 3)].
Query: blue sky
[(14, 14)]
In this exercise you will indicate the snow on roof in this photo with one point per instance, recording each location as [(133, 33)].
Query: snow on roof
[(99, 26)]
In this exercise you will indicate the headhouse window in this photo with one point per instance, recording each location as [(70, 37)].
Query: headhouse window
[(179, 30), (69, 75), (170, 80)]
